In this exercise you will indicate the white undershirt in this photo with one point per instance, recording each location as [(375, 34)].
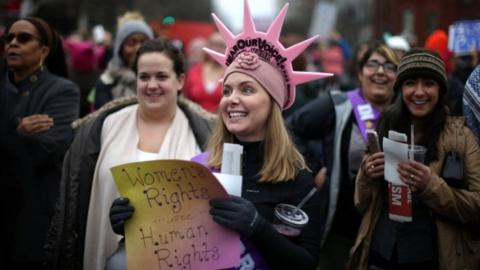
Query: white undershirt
[(146, 156)]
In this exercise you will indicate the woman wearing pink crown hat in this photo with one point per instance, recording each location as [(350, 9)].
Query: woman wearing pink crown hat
[(258, 84)]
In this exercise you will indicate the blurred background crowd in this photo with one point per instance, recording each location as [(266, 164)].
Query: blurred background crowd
[(93, 44), (90, 30)]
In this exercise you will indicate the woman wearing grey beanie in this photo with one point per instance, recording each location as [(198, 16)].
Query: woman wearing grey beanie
[(118, 80)]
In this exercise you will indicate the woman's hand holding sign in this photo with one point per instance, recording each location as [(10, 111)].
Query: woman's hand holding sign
[(237, 214), (120, 212)]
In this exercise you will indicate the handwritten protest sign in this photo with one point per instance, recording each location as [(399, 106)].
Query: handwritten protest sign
[(171, 227)]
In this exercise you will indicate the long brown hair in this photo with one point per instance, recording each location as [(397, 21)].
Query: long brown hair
[(281, 160), (397, 116)]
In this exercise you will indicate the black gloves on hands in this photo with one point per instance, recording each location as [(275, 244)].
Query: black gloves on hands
[(120, 211), (237, 214)]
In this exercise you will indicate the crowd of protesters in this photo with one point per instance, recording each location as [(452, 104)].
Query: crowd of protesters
[(72, 108)]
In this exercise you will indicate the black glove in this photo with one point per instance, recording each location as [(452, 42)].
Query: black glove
[(237, 214), (120, 211)]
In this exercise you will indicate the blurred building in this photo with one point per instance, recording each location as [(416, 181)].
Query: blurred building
[(421, 17), (67, 15), (356, 20)]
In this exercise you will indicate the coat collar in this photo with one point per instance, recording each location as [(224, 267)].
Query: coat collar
[(28, 83)]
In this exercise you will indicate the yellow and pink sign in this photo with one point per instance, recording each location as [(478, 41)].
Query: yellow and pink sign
[(171, 227)]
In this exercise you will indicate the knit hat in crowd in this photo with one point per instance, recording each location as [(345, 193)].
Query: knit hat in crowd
[(127, 29), (421, 63), (261, 56)]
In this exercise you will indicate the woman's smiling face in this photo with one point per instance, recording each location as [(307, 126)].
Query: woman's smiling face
[(245, 107), (420, 95), (157, 83), (376, 78)]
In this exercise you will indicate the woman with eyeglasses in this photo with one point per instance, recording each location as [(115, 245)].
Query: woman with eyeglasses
[(37, 107), (340, 121)]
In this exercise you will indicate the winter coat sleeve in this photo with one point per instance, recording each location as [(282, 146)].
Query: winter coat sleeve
[(63, 107), (364, 188), (462, 205), (65, 240), (314, 121)]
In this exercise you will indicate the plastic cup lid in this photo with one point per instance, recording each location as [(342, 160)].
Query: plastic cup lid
[(291, 215)]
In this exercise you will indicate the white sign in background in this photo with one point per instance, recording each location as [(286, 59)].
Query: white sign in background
[(323, 19)]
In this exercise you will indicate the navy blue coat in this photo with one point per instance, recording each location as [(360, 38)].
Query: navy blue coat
[(31, 167)]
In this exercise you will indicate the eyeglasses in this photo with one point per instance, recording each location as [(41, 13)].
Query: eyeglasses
[(374, 65), (21, 37)]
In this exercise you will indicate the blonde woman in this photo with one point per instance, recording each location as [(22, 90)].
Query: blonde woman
[(258, 84)]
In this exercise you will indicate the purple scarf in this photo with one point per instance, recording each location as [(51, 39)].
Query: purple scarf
[(365, 114)]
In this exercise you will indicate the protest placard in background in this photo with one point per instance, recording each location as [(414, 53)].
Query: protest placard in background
[(323, 19), (464, 37), (172, 227)]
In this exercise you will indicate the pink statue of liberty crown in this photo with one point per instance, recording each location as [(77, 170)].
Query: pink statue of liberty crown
[(266, 47)]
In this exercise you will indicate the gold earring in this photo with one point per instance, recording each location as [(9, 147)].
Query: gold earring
[(41, 64)]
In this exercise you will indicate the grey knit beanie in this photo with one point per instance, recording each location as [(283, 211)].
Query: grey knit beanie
[(421, 63), (127, 29)]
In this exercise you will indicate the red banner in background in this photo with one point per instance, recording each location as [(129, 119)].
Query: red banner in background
[(12, 7)]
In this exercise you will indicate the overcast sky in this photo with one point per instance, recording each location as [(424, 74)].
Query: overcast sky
[(230, 12)]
